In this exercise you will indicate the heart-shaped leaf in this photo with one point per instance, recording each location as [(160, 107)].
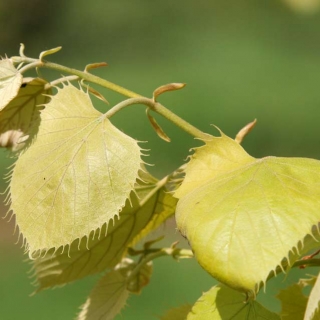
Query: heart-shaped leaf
[(75, 177), (243, 215)]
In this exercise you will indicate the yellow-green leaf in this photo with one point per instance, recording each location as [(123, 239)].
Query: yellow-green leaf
[(312, 309), (144, 213), (20, 120), (243, 215), (75, 177), (107, 298), (223, 303), (10, 81), (179, 313)]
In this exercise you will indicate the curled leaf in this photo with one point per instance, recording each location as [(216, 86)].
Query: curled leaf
[(20, 120), (245, 130), (48, 52), (167, 87), (156, 127), (75, 177), (10, 82), (243, 215)]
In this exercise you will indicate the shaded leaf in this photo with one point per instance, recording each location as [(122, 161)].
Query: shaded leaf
[(179, 313), (312, 309), (75, 177), (243, 215), (107, 298), (10, 81), (293, 302), (94, 256), (20, 120), (223, 303)]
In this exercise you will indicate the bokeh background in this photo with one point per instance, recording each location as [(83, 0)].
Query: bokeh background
[(241, 60)]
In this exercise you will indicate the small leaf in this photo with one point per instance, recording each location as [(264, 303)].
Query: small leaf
[(243, 215), (179, 313), (10, 82), (107, 298), (98, 253), (20, 120), (49, 52), (293, 302), (223, 303), (157, 127), (75, 177), (166, 88), (312, 310), (245, 130)]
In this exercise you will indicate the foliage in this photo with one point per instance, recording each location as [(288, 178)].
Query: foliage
[(83, 198)]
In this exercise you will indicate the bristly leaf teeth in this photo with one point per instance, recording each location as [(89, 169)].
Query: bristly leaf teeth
[(243, 215), (76, 176)]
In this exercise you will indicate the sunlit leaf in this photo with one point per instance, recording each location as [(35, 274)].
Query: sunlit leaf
[(293, 302), (179, 313), (243, 215), (223, 303), (105, 252), (75, 177), (19, 121), (10, 81), (312, 310), (107, 298)]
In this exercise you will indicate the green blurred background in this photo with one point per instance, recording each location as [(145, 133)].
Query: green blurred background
[(241, 59)]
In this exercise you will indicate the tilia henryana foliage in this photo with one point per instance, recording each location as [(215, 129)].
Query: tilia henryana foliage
[(82, 198)]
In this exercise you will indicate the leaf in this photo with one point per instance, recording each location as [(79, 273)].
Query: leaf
[(75, 177), (223, 303), (107, 298), (179, 313), (20, 120), (10, 81), (293, 302), (166, 206), (99, 253), (312, 309), (243, 215)]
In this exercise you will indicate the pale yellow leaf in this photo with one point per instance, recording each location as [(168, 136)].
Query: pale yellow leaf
[(75, 177), (10, 81)]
